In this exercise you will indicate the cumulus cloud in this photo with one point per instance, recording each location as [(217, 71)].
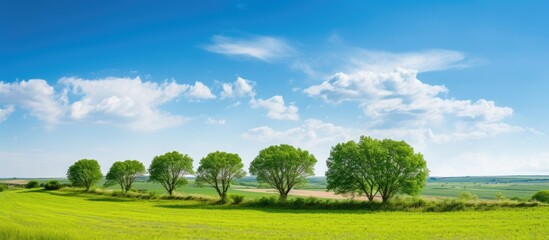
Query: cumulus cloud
[(129, 101), (276, 108), (264, 48), (398, 94), (36, 96), (200, 91), (5, 112), (240, 88)]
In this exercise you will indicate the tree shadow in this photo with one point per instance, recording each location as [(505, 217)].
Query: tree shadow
[(34, 191), (109, 199), (280, 210)]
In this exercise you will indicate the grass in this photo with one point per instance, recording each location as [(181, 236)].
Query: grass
[(37, 214)]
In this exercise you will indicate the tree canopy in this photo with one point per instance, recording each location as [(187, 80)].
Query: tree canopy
[(283, 167), (218, 169), (84, 173), (372, 166), (124, 173), (349, 168), (169, 170)]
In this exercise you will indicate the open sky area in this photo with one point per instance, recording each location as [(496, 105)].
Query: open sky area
[(466, 83)]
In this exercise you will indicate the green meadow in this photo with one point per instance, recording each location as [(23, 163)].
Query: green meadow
[(39, 214)]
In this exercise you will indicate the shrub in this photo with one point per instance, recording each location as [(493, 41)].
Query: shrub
[(52, 185), (542, 196), (267, 201), (500, 196), (32, 184), (517, 199), (153, 195), (3, 187), (468, 196), (237, 199)]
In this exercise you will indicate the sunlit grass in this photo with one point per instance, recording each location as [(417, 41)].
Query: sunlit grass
[(36, 214)]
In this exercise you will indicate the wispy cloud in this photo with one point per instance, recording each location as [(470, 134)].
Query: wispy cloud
[(311, 133), (422, 61), (265, 48), (214, 121), (324, 62), (5, 112)]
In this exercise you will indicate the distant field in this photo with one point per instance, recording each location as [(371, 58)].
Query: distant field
[(485, 187), (37, 214)]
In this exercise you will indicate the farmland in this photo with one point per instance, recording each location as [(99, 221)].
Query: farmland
[(38, 214), (522, 187)]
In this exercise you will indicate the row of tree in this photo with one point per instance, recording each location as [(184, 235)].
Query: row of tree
[(366, 168)]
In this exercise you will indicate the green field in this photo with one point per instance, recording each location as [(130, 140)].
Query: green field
[(38, 214), (522, 187)]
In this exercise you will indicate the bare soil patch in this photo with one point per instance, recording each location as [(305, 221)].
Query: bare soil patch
[(306, 193), (15, 182)]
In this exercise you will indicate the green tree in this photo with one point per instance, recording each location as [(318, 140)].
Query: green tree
[(218, 169), (84, 173), (124, 173), (399, 170), (350, 168), (169, 170), (283, 167)]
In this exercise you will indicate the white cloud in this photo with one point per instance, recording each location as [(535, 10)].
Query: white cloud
[(200, 91), (276, 108), (241, 87), (310, 134), (5, 112), (481, 163), (213, 121), (323, 63), (318, 136), (264, 48), (313, 132), (35, 95), (128, 101), (398, 98), (423, 61)]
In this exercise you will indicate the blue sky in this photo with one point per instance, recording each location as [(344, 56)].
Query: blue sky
[(464, 82)]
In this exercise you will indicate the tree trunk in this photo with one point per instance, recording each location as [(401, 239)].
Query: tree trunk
[(170, 192), (283, 197)]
